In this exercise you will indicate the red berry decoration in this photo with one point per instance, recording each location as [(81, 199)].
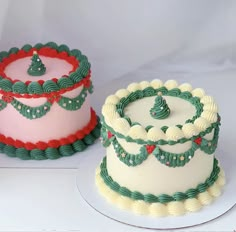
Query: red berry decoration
[(109, 134), (54, 98), (7, 98), (150, 148), (198, 140)]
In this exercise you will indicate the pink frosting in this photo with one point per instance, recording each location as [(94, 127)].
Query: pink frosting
[(56, 124), (55, 68)]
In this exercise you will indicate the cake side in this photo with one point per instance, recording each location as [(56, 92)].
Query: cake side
[(46, 114), (163, 156)]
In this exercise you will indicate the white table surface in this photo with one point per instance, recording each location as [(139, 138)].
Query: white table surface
[(43, 196)]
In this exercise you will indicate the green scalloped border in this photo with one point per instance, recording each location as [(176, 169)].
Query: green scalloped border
[(161, 141), (53, 153), (150, 92), (49, 86), (163, 198)]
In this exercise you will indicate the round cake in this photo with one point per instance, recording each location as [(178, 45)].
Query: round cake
[(160, 140), (45, 102)]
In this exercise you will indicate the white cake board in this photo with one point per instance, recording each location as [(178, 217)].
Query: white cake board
[(87, 188)]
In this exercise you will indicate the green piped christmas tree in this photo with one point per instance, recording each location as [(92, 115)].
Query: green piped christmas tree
[(160, 110), (36, 68)]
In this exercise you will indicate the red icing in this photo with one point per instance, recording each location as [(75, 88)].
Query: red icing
[(150, 148), (7, 97), (109, 134), (48, 52), (53, 143), (198, 140), (54, 98)]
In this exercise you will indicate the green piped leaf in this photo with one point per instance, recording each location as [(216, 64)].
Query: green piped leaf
[(19, 87), (50, 86), (6, 85), (73, 103)]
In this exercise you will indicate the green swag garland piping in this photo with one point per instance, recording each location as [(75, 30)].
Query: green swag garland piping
[(35, 88), (166, 158), (163, 198), (29, 112)]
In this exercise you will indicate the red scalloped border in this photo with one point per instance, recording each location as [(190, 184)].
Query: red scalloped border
[(80, 134), (45, 51)]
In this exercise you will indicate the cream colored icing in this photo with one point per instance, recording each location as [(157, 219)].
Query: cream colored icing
[(167, 180), (208, 116), (181, 110), (55, 68), (173, 208), (152, 176)]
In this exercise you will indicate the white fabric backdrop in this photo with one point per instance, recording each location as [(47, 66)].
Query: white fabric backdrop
[(120, 36)]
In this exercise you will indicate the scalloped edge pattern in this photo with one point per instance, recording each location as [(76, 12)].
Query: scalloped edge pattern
[(50, 49), (138, 133), (173, 208)]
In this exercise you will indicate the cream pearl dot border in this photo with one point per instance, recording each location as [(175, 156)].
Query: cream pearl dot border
[(174, 208)]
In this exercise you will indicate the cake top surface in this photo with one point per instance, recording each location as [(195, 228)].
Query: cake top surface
[(156, 111), (59, 69)]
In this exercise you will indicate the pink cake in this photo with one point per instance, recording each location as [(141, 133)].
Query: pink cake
[(45, 102)]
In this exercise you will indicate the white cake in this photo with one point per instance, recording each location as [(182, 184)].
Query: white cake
[(160, 159)]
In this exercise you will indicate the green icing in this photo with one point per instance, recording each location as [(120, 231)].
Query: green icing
[(64, 48), (31, 112), (38, 46), (36, 67), (3, 54), (35, 88), (160, 110), (13, 50), (148, 92), (73, 103), (3, 105), (65, 82), (22, 154), (166, 158), (51, 45), (26, 47), (50, 153), (50, 86), (20, 87), (162, 198), (6, 85)]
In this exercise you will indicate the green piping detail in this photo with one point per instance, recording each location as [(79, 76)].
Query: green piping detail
[(53, 153), (39, 111), (150, 92), (161, 141), (3, 105), (20, 87), (31, 112), (73, 103), (163, 198), (166, 158)]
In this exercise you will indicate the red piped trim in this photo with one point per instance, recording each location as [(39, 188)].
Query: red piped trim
[(48, 52), (45, 51), (80, 134)]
